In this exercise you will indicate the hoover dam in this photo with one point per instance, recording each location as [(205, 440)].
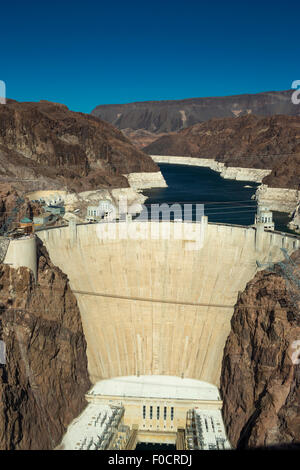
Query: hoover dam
[(159, 305), (156, 299)]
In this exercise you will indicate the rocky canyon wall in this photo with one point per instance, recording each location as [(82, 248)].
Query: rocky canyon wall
[(46, 146), (260, 376), (44, 376)]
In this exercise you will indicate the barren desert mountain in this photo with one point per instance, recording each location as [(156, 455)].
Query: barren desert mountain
[(261, 373), (173, 115), (55, 147), (247, 141), (43, 382)]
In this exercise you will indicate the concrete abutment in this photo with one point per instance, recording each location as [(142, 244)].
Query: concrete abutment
[(22, 252)]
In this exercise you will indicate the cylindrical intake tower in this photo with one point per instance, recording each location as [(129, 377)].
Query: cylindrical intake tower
[(22, 252)]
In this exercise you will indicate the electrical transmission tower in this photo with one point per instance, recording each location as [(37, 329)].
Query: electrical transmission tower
[(291, 273)]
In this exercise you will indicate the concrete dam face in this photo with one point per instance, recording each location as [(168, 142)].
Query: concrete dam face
[(159, 306)]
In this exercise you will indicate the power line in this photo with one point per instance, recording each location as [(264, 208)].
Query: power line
[(187, 209), (192, 203), (218, 209), (139, 299), (64, 329), (144, 299), (215, 203), (198, 202)]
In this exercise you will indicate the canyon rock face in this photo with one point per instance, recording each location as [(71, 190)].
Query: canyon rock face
[(260, 380), (56, 148), (173, 115), (247, 141), (44, 379)]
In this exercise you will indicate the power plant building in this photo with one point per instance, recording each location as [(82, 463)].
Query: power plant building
[(126, 410), (205, 430)]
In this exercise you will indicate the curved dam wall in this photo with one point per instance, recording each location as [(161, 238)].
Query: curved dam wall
[(163, 305)]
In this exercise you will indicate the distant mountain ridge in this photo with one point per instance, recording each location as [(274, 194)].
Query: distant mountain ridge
[(172, 115)]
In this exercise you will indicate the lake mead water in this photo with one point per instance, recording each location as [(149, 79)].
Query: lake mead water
[(225, 201)]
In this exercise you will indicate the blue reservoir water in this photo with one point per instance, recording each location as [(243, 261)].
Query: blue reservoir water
[(225, 201)]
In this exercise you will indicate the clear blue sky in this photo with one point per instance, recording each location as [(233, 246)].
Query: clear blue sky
[(93, 52)]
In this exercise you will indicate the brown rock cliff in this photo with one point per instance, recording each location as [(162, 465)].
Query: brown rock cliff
[(260, 381), (43, 382), (57, 148)]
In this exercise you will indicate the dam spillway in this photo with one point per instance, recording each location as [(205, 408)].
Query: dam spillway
[(153, 306)]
